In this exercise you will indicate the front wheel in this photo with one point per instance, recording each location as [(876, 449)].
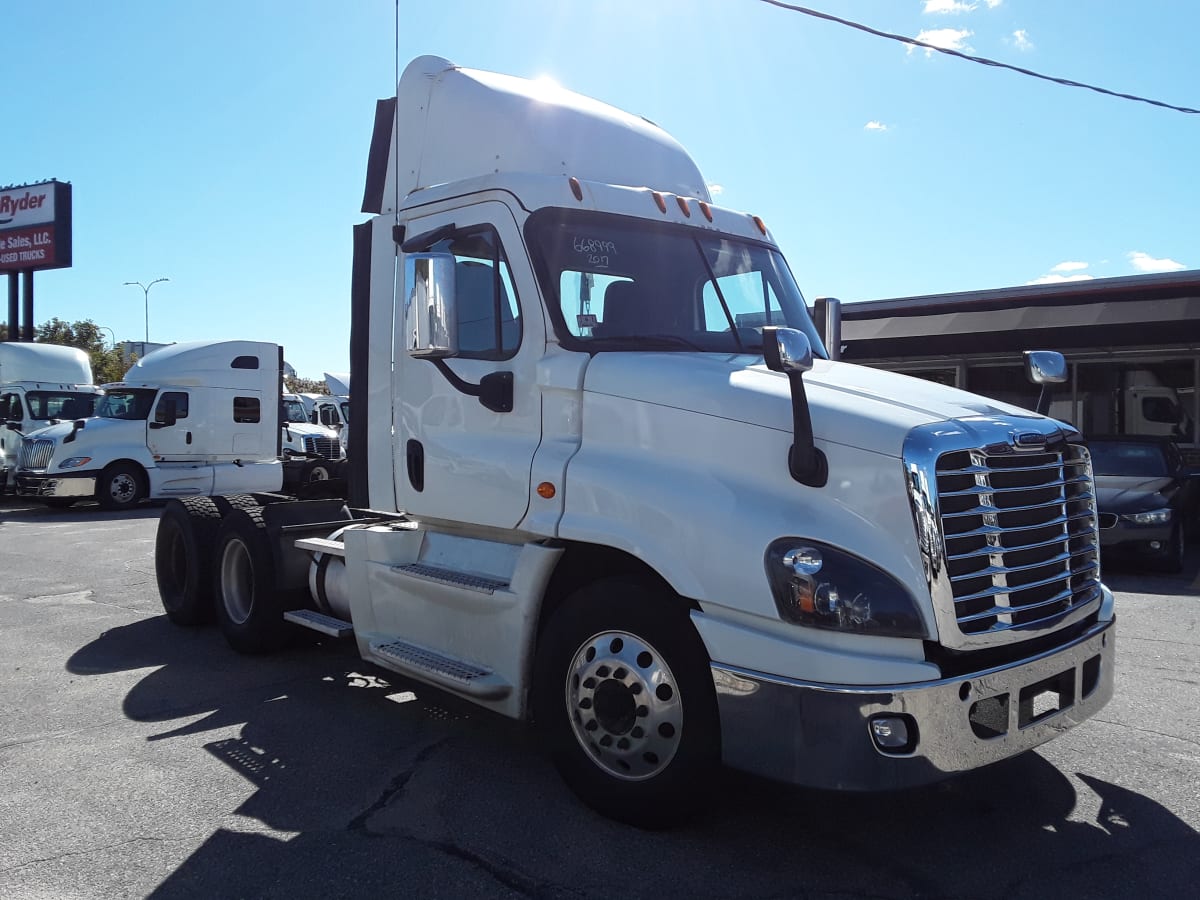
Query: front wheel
[(623, 694), (122, 486)]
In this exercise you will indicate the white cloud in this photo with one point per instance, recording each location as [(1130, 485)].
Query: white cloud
[(1058, 279), (1144, 262), (1069, 267), (992, 4), (1021, 39), (716, 189), (934, 7), (875, 126), (946, 38)]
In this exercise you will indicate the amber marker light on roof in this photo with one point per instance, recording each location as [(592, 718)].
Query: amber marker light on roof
[(576, 188), (683, 206), (706, 209), (546, 490), (658, 198), (761, 227)]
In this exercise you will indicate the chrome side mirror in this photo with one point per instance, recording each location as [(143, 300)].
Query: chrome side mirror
[(787, 350), (1045, 366), (430, 318)]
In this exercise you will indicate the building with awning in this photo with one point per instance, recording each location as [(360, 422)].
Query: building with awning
[(1114, 332)]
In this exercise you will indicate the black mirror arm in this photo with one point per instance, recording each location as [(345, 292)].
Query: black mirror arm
[(1043, 401), (495, 390), (806, 463)]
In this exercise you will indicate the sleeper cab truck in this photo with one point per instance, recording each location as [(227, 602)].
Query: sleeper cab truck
[(40, 384), (188, 419), (607, 479)]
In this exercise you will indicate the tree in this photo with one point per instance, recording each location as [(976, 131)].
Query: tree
[(107, 363), (297, 385)]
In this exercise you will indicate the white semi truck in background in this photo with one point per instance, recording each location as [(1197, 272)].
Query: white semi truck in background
[(606, 478), (39, 384), (188, 419)]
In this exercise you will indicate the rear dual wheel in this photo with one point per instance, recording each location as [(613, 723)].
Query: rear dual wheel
[(249, 605), (183, 554)]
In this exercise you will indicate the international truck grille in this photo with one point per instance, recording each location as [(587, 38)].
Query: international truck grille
[(330, 448), (1010, 538), (35, 454)]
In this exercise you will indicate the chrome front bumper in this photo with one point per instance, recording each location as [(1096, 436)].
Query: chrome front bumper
[(81, 485), (820, 735)]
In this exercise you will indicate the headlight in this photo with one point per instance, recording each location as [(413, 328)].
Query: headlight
[(74, 462), (823, 587), (1149, 517)]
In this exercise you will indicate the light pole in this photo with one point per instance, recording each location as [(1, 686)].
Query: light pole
[(146, 290), (111, 334)]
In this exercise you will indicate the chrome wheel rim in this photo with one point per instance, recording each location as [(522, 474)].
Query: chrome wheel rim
[(123, 487), (624, 706)]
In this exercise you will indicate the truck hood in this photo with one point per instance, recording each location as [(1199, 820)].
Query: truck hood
[(95, 426), (852, 405)]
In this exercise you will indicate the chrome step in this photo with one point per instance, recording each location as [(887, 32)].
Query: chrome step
[(329, 625), (321, 545), (455, 674)]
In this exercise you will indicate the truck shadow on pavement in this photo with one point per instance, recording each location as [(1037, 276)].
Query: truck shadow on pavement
[(386, 787), (21, 509)]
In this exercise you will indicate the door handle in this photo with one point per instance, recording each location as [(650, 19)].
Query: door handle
[(189, 437)]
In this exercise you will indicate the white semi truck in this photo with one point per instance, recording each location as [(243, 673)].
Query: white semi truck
[(607, 479), (189, 419), (39, 384)]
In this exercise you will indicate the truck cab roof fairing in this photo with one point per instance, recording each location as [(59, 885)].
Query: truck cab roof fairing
[(532, 126)]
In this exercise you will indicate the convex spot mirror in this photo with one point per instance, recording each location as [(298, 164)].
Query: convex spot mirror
[(430, 318)]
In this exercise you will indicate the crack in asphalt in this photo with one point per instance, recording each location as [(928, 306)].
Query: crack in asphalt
[(1173, 737), (359, 823), (503, 873), (68, 853)]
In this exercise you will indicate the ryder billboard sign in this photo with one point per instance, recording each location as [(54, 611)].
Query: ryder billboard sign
[(35, 227)]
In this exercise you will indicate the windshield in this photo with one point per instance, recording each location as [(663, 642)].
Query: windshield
[(1142, 460), (294, 411), (126, 403), (346, 411), (47, 405), (617, 283)]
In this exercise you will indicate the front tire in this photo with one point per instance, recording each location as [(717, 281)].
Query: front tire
[(623, 695), (122, 486)]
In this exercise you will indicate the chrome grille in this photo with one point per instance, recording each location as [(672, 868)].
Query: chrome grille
[(35, 454), (330, 448), (1009, 534)]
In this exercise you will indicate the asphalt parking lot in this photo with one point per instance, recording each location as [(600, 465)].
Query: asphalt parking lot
[(140, 759)]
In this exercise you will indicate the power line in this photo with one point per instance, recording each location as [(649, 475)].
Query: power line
[(983, 61)]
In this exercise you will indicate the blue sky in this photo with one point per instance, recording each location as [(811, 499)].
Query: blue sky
[(223, 144)]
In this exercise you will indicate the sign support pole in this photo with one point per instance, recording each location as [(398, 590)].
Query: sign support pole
[(13, 333), (27, 334)]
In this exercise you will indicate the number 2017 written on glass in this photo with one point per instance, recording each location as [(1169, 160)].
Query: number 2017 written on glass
[(597, 251)]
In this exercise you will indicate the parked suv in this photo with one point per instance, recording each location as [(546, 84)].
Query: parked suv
[(1148, 499)]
